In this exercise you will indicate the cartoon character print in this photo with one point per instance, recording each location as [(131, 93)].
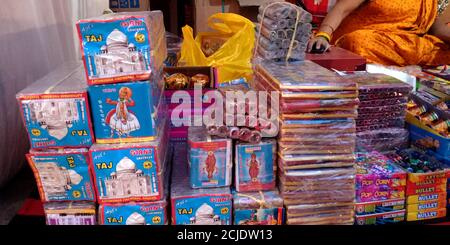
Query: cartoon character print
[(253, 167), (210, 165), (121, 120)]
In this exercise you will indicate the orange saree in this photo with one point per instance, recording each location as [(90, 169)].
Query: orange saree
[(393, 32)]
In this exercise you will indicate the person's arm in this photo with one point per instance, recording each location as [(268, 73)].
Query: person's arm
[(332, 21), (440, 28)]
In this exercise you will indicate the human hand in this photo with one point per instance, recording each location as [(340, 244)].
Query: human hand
[(318, 44)]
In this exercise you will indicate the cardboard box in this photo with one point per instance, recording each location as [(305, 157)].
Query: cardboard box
[(62, 175), (129, 5), (55, 109), (381, 218), (414, 216), (379, 206), (339, 59)]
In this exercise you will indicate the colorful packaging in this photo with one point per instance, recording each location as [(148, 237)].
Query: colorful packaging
[(426, 189), (211, 206), (255, 166), (55, 109), (258, 208), (129, 172), (381, 218), (141, 213), (209, 159), (425, 198), (379, 193), (426, 139), (122, 47), (376, 170), (427, 206), (328, 213), (414, 216), (379, 207), (62, 175), (70, 213), (126, 112)]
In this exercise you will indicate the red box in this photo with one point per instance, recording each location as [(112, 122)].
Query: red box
[(339, 59)]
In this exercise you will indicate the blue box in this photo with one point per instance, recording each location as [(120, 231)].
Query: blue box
[(130, 172), (55, 109), (210, 161), (141, 213), (433, 144), (211, 206), (122, 47), (62, 175), (126, 112), (255, 166)]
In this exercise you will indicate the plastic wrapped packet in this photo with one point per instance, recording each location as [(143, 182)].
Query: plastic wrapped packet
[(383, 86), (283, 21), (283, 11), (255, 168), (210, 206), (381, 218), (383, 102), (287, 106), (62, 174), (373, 169), (379, 109), (301, 77), (321, 115), (322, 124), (377, 207), (398, 122), (320, 214), (258, 208), (55, 109), (317, 185), (210, 159), (140, 213), (173, 43), (386, 139), (130, 172), (378, 193), (70, 213), (120, 47), (317, 159), (127, 112)]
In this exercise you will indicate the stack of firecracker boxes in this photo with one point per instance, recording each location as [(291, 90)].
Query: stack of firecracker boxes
[(103, 140)]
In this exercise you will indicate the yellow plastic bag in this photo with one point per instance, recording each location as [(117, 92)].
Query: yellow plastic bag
[(233, 58)]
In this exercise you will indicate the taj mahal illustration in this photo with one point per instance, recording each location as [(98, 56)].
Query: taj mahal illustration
[(205, 216), (126, 181), (117, 57), (55, 116), (57, 180), (135, 219)]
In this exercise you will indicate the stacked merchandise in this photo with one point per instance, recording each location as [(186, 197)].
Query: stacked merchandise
[(381, 112), (428, 118), (254, 156), (380, 190), (199, 206), (426, 187), (317, 140), (56, 114), (123, 55), (183, 101), (283, 31)]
